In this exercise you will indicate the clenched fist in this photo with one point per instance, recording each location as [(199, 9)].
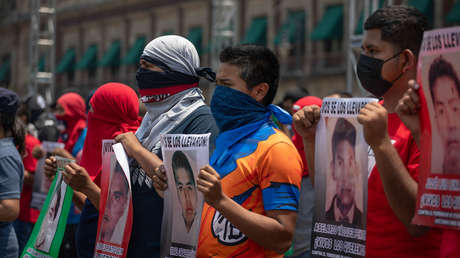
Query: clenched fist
[(209, 184), (76, 177), (408, 109), (305, 121), (374, 118)]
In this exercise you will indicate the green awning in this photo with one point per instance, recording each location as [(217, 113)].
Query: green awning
[(67, 62), (293, 28), (89, 59), (5, 70), (195, 35), (111, 57), (331, 25), (41, 64), (454, 14), (360, 25), (134, 52), (257, 33), (426, 7)]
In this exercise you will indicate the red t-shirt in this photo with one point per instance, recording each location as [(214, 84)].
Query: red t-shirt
[(26, 213), (386, 234), (450, 246)]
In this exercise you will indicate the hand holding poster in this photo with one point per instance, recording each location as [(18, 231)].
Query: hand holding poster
[(438, 70), (183, 157), (115, 221), (41, 182), (46, 237), (339, 221)]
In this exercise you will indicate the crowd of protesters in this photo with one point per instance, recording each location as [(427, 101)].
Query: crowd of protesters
[(253, 144)]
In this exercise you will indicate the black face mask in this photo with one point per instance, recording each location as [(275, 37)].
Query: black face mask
[(369, 72)]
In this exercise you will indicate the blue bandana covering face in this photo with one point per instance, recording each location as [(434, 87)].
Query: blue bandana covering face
[(238, 115), (233, 109)]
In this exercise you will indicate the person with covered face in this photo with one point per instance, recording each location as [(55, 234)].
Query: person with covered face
[(168, 80), (114, 110), (344, 173), (390, 47), (71, 109)]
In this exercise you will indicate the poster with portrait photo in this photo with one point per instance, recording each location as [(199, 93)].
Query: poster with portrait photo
[(115, 207), (41, 182), (341, 172), (438, 74), (183, 157), (47, 234)]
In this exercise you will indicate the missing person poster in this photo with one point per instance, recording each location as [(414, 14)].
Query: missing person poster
[(45, 240), (41, 182), (438, 74), (115, 208), (183, 157), (339, 220)]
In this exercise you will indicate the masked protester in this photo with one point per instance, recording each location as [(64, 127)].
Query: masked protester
[(115, 109), (71, 110), (168, 80), (390, 48), (11, 171)]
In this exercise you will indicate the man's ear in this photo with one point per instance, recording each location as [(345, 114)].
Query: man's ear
[(259, 91), (409, 60)]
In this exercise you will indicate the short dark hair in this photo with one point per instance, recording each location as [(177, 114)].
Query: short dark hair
[(343, 131), (342, 94), (439, 68), (179, 160), (257, 64), (400, 25)]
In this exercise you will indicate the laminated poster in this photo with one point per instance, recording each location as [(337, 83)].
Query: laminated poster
[(341, 173), (183, 157), (115, 208), (46, 238), (438, 74)]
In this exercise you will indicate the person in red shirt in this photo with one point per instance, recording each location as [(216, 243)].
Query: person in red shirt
[(388, 61), (408, 109)]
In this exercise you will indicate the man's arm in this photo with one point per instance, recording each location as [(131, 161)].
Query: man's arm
[(400, 188), (77, 177), (274, 231), (305, 122), (147, 160), (9, 209)]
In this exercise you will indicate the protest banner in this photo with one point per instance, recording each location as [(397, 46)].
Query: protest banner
[(41, 182), (115, 221), (341, 173), (438, 70), (46, 238), (183, 157)]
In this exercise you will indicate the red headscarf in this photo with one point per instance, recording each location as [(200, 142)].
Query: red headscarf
[(74, 116), (297, 139), (115, 110)]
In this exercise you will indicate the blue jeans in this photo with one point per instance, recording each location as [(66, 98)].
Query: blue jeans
[(8, 241), (23, 230)]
